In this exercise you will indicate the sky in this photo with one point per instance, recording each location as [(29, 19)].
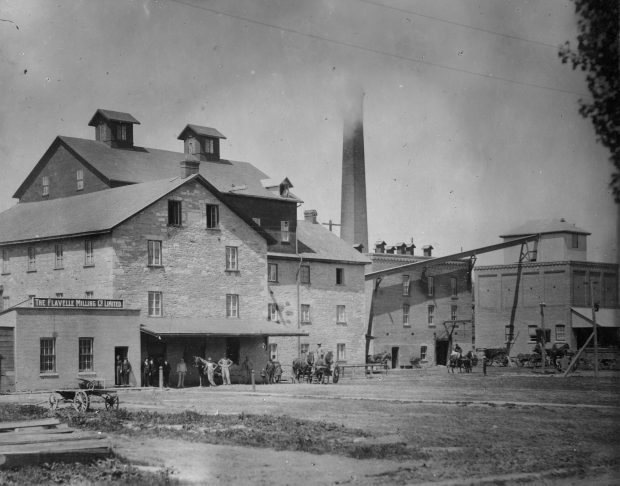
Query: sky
[(471, 120)]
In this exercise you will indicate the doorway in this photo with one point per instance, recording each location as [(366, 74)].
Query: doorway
[(441, 351), (233, 347), (120, 352), (395, 357)]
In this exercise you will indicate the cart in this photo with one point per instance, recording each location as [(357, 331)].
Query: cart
[(81, 398)]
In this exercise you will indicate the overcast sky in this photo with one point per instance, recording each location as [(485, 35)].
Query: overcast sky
[(470, 119)]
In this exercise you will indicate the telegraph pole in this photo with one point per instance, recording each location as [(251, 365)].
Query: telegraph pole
[(543, 351)]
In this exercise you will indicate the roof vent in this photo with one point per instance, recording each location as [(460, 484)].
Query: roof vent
[(113, 128), (201, 143), (428, 250), (311, 216)]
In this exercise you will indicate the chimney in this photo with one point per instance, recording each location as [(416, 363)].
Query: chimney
[(310, 216), (353, 213), (189, 167)]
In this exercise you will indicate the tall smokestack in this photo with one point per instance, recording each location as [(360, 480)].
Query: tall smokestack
[(353, 214)]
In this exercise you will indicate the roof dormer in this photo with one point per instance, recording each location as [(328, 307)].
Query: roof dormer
[(113, 128), (201, 143)]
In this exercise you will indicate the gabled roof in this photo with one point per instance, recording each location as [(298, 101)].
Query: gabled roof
[(318, 243), (202, 131), (112, 116), (92, 213), (140, 164), (544, 226)]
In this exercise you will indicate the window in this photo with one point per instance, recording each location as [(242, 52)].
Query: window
[(405, 285), (454, 287), (154, 253), (121, 132), (431, 315), (272, 272), (273, 351), (89, 294), (89, 253), (304, 348), (58, 252), (453, 312), (305, 314), (340, 276), (6, 302), (213, 216), (341, 314), (284, 230), (341, 352), (208, 145), (232, 305), (80, 179), (406, 315), (531, 331), (5, 261), (46, 186), (32, 259), (272, 312), (423, 351), (304, 274), (560, 332), (431, 286), (86, 355), (155, 304), (102, 132), (174, 213), (574, 240), (48, 355), (232, 260)]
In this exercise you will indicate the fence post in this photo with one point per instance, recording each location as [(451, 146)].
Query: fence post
[(253, 382), (161, 377)]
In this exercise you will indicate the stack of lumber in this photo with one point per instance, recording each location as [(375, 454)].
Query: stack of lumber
[(47, 440)]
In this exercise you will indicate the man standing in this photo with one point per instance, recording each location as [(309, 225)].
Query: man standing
[(225, 364), (145, 372), (119, 365), (210, 371), (125, 372), (181, 370), (166, 370), (247, 366)]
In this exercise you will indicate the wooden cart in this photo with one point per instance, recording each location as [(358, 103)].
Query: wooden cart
[(81, 398)]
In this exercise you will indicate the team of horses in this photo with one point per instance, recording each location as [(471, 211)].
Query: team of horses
[(464, 363), (314, 368)]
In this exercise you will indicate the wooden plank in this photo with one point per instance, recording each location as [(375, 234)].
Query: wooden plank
[(20, 455), (59, 429), (20, 438), (29, 423), (39, 428)]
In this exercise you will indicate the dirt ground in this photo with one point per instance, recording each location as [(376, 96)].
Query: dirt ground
[(510, 427)]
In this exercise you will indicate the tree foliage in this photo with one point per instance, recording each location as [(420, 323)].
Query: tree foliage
[(597, 55)]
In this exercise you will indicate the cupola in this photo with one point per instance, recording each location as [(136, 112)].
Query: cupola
[(113, 128), (201, 143)]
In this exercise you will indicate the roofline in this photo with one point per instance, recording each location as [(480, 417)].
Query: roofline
[(56, 237), (518, 235), (46, 157), (100, 112), (305, 257)]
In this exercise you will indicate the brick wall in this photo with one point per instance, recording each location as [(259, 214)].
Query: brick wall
[(193, 278), (322, 295), (73, 278), (388, 327), (61, 169), (107, 328)]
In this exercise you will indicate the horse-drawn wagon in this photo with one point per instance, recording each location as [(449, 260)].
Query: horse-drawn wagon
[(81, 398), (316, 369)]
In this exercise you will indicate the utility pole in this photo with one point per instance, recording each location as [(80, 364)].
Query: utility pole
[(543, 350), (595, 331)]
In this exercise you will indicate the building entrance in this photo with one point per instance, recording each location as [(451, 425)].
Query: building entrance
[(395, 357), (441, 351)]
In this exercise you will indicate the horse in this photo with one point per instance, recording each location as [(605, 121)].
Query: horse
[(198, 363), (201, 364), (467, 361), (302, 367), (381, 358), (456, 361), (322, 368)]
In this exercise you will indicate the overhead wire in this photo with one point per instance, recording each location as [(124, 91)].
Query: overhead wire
[(459, 24), (376, 51)]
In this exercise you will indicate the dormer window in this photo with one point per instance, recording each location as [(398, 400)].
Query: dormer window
[(202, 142), (114, 128), (209, 146), (121, 132)]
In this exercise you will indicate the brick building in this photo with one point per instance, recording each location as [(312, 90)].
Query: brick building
[(184, 240), (555, 273), (419, 312)]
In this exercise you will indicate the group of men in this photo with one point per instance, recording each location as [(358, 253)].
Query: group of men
[(150, 371), (209, 367), (123, 370)]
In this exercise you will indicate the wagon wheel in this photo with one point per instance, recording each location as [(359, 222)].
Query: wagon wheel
[(54, 400), (111, 402), (81, 402), (336, 374)]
